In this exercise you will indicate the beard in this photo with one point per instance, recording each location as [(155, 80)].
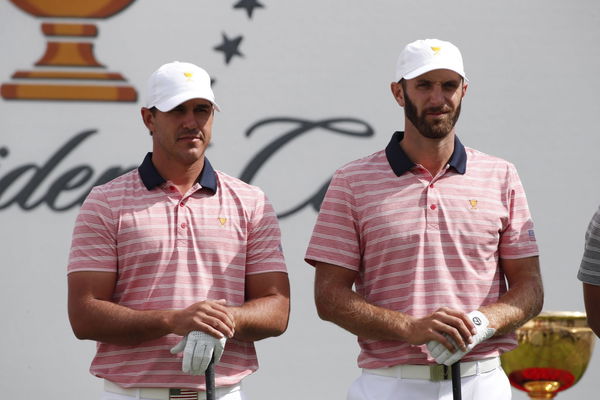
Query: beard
[(438, 129)]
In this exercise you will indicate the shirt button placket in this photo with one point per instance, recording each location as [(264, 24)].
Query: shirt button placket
[(432, 212), (182, 225)]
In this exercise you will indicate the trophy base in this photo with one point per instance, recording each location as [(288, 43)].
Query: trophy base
[(541, 389), (70, 88), (20, 91)]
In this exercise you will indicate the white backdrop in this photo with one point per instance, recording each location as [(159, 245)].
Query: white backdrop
[(532, 99)]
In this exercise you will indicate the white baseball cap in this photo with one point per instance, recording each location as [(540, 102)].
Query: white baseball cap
[(178, 82), (422, 56)]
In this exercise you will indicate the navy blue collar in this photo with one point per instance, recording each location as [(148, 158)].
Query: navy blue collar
[(152, 179), (400, 162)]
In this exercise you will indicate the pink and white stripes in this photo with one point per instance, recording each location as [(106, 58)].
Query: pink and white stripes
[(170, 251), (420, 242)]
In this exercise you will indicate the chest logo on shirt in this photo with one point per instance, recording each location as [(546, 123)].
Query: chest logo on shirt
[(473, 204), (222, 221)]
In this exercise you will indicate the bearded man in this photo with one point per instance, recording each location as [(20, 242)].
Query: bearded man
[(438, 242)]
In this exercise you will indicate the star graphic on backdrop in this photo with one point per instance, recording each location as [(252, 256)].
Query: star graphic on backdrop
[(230, 47), (249, 5)]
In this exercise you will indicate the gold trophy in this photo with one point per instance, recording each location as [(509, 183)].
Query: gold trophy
[(69, 63), (553, 353)]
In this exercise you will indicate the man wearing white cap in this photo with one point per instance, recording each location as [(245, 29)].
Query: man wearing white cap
[(428, 231), (175, 262)]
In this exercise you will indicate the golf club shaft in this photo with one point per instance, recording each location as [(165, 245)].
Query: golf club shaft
[(456, 389), (209, 374)]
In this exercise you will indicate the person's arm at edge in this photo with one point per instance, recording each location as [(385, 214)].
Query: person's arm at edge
[(591, 287), (524, 298), (591, 297), (94, 316), (338, 303), (265, 313)]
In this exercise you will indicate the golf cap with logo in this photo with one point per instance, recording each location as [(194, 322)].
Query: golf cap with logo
[(422, 56), (177, 82)]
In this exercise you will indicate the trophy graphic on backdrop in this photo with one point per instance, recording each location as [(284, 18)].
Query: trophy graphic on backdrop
[(69, 70), (553, 353)]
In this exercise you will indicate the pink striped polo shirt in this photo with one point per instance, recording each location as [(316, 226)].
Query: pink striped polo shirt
[(171, 251), (420, 242)]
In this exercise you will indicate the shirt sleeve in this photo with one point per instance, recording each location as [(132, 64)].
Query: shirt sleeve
[(336, 235), (589, 270), (518, 238), (264, 253), (93, 245)]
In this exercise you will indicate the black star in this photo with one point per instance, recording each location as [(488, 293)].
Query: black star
[(249, 5), (230, 47)]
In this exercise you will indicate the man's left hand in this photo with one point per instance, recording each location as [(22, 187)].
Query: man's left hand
[(444, 356), (198, 349)]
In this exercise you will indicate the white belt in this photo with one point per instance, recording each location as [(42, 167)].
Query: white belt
[(436, 372), (164, 393)]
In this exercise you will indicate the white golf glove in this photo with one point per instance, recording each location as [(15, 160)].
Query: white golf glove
[(198, 348), (444, 356)]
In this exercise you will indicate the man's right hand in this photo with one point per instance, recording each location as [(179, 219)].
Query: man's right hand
[(210, 316), (198, 349), (448, 327)]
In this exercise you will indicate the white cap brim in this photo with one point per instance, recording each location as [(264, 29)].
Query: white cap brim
[(172, 102), (430, 67)]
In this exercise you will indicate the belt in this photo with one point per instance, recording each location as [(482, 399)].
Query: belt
[(167, 393), (436, 372)]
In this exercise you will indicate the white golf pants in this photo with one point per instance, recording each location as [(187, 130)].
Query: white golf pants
[(493, 385), (135, 394)]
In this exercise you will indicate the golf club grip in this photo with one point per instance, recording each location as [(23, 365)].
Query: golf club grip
[(456, 390), (209, 376)]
